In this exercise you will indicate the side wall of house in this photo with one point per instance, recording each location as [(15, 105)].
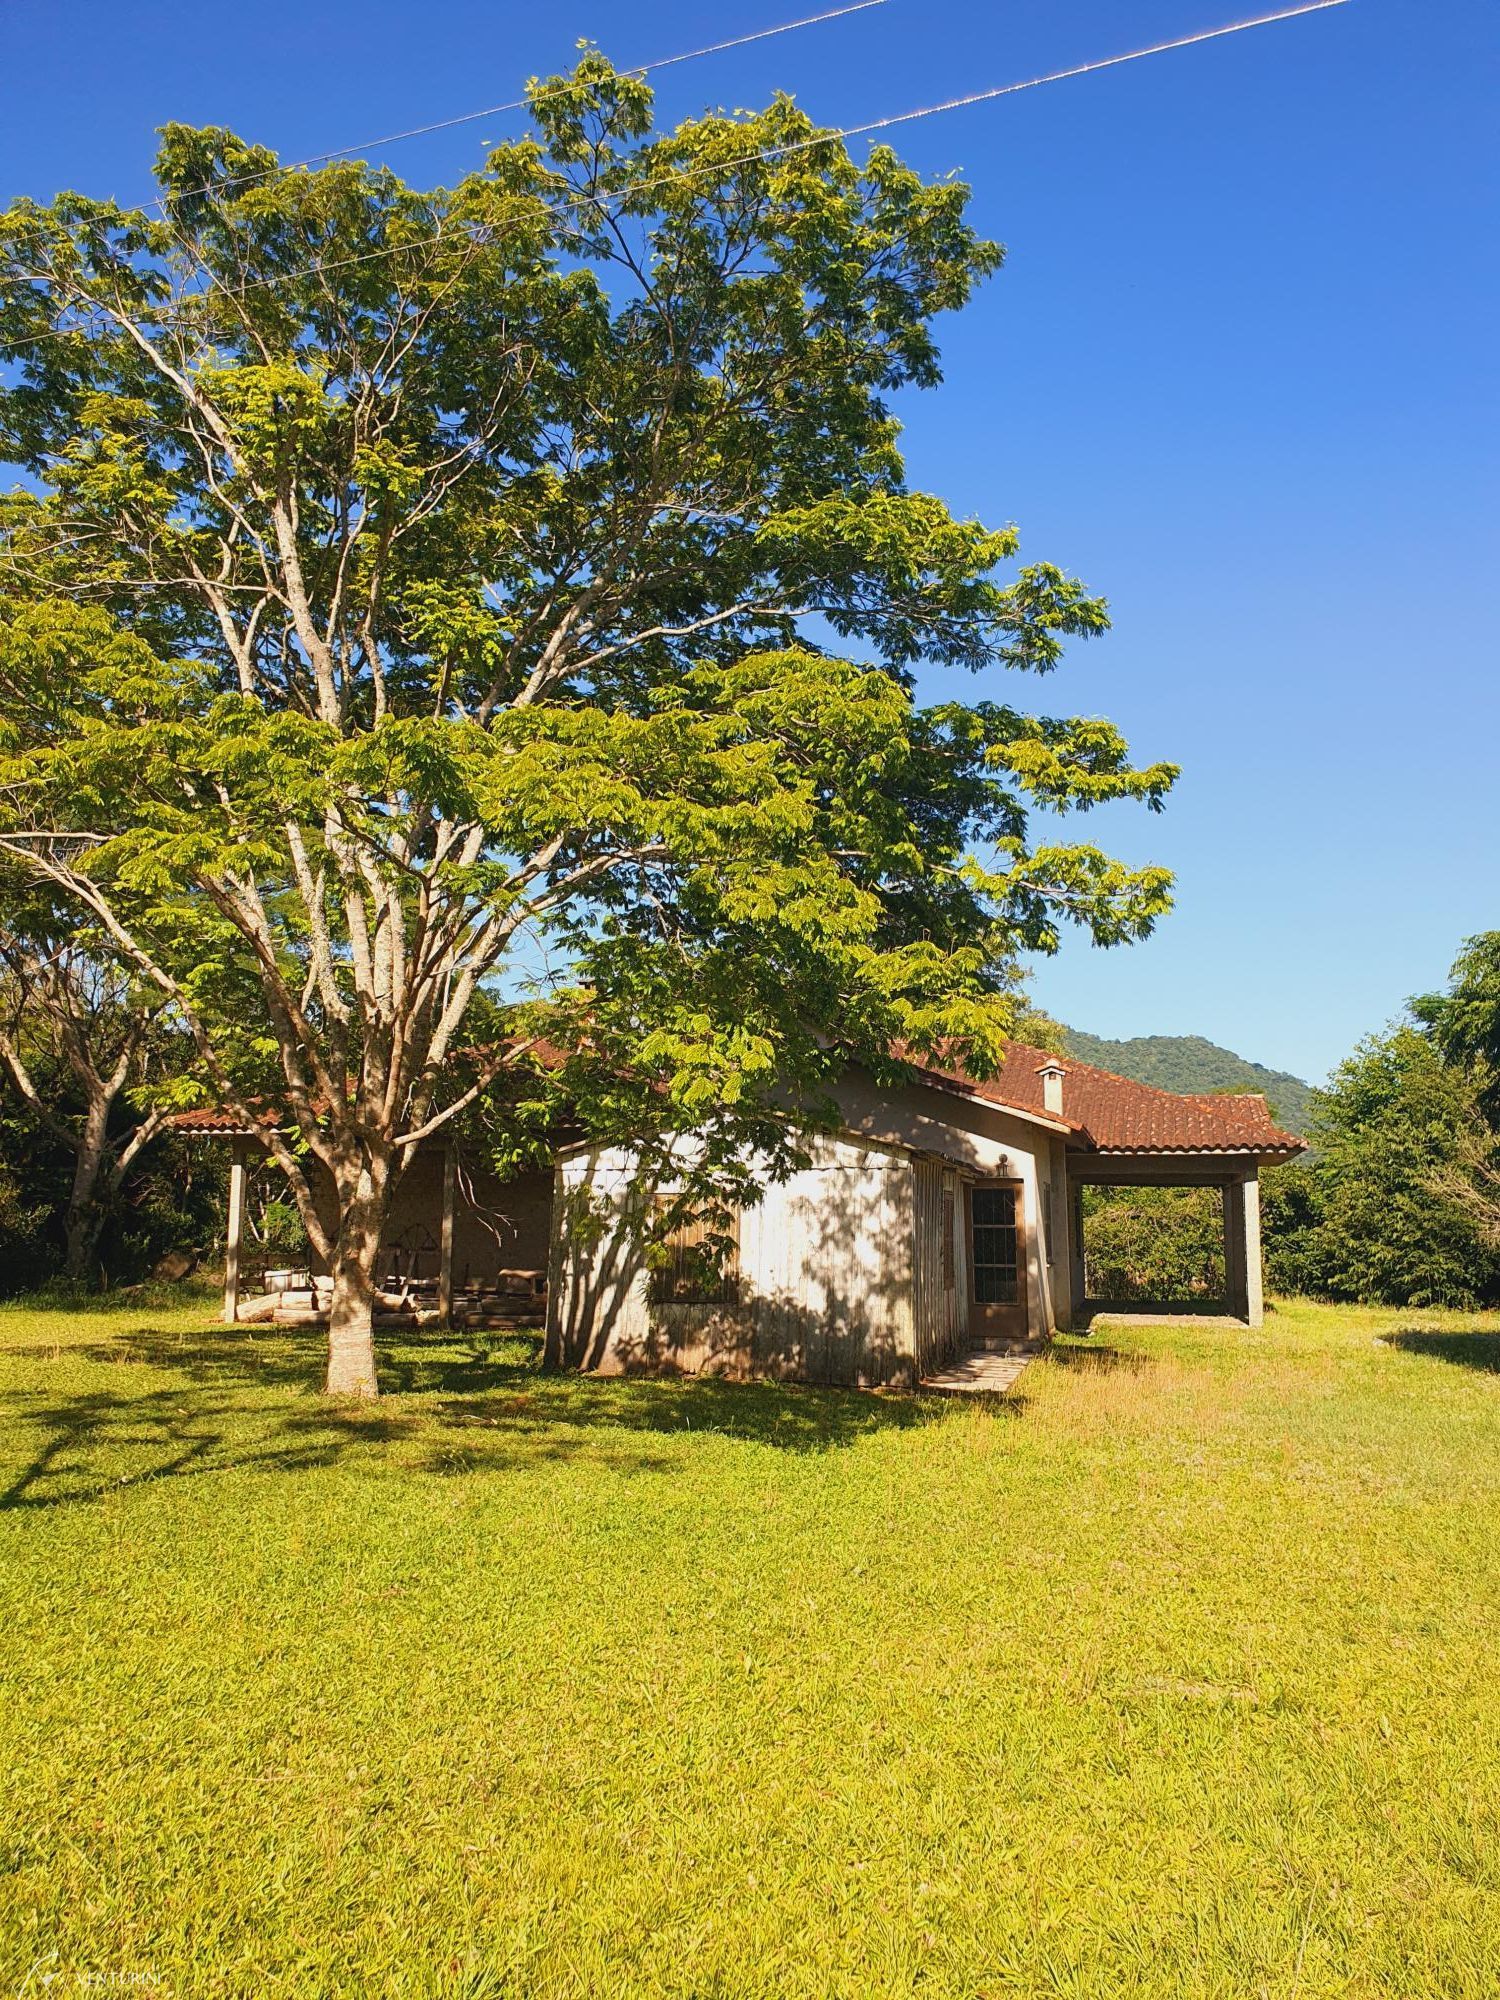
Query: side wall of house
[(977, 1141), (825, 1277)]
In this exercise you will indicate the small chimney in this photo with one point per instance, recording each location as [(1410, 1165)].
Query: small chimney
[(1052, 1074)]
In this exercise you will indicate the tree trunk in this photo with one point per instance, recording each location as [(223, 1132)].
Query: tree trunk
[(84, 1218), (356, 1259)]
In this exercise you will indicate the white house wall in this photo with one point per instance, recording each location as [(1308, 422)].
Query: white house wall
[(826, 1276)]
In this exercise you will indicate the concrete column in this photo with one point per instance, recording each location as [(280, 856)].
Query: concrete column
[(234, 1234), (1039, 1321), (1255, 1304), (1235, 1298), (1242, 1266), (445, 1239), (1063, 1294), (1075, 1243)]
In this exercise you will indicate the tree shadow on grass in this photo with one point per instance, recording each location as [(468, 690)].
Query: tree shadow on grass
[(1465, 1350), (455, 1403), (83, 1447), (1093, 1360)]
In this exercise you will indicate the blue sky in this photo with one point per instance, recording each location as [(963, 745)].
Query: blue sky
[(1239, 373)]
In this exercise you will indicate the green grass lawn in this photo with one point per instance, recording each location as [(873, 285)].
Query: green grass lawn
[(1176, 1676)]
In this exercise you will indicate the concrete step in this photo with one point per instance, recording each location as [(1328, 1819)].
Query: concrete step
[(978, 1375)]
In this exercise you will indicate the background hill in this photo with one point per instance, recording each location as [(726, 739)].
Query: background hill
[(1189, 1062)]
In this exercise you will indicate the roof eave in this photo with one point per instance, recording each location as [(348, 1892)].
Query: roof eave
[(1273, 1154)]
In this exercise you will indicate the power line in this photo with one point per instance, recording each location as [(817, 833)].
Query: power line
[(518, 103), (1088, 68), (791, 147)]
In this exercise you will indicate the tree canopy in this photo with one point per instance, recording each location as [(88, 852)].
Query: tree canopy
[(439, 620), (1465, 1019), (1400, 1202)]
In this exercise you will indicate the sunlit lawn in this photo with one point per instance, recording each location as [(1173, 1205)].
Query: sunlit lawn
[(1176, 1676)]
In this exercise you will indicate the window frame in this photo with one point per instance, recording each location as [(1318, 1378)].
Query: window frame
[(677, 1276)]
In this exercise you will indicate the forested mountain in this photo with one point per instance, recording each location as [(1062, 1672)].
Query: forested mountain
[(1190, 1062)]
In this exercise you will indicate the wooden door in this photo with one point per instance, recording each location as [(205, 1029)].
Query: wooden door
[(997, 1260)]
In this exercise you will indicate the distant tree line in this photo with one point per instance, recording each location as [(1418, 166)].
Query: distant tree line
[(1399, 1201), (95, 1186)]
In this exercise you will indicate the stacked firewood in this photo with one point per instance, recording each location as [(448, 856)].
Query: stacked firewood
[(511, 1298)]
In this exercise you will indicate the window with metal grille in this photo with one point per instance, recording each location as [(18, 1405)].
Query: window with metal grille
[(995, 1248), (696, 1262)]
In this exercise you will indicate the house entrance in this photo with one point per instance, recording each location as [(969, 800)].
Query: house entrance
[(997, 1262)]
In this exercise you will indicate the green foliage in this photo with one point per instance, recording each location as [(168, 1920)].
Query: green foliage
[(1153, 1243), (172, 1199), (84, 1055), (1170, 1679), (23, 1255), (1364, 1218), (1465, 1020), (1293, 1204), (1190, 1063), (1039, 1031), (1401, 1199)]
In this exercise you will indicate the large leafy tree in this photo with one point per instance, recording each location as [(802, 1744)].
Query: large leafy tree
[(414, 585), (1464, 1022)]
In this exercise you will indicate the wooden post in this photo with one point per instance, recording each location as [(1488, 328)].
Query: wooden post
[(445, 1240), (234, 1235)]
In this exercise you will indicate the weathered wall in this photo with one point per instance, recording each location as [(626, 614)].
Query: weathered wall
[(982, 1141), (497, 1225), (940, 1287), (826, 1277)]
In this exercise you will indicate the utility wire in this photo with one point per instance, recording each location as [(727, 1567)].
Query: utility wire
[(1087, 68), (822, 137), (518, 103)]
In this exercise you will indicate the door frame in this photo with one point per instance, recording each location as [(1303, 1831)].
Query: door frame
[(986, 1319)]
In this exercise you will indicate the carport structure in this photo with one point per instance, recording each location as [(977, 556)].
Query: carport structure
[(1120, 1133), (1134, 1136), (1237, 1177)]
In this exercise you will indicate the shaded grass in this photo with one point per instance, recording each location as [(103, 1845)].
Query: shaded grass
[(1465, 1350), (1173, 1677)]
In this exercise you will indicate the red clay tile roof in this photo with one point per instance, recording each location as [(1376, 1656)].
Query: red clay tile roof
[(211, 1122), (1105, 1112), (1116, 1115)]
